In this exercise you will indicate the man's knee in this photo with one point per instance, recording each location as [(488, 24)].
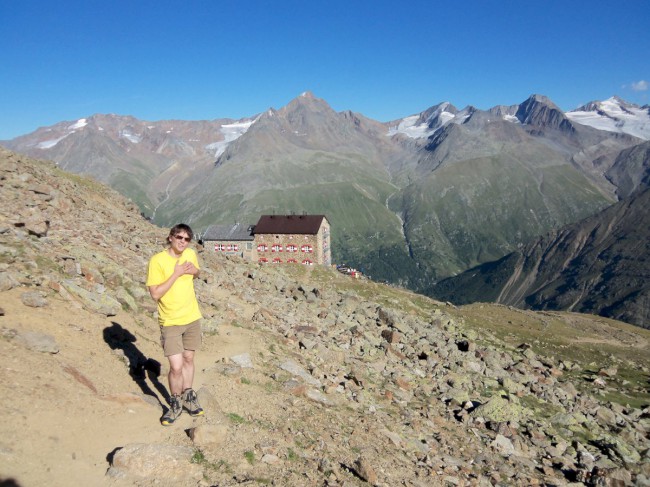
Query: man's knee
[(176, 363)]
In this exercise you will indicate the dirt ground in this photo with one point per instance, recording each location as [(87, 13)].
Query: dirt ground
[(67, 412)]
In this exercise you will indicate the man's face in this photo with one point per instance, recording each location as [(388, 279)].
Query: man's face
[(179, 242)]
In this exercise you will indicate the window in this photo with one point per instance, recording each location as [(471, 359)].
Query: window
[(219, 247), (307, 248), (262, 247), (292, 248), (263, 260), (307, 262), (292, 261), (276, 248), (277, 260)]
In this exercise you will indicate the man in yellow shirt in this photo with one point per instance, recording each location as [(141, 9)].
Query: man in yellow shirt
[(170, 279)]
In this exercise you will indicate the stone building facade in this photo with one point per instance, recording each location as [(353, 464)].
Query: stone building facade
[(293, 239), (276, 239), (236, 239)]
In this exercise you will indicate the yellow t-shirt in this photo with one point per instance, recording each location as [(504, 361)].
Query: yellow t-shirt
[(178, 306)]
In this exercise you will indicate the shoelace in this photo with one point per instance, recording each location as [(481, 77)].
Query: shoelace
[(175, 403)]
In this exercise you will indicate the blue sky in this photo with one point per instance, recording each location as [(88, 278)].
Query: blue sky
[(196, 60)]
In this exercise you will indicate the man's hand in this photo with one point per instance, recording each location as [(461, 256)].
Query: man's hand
[(187, 268), (159, 290)]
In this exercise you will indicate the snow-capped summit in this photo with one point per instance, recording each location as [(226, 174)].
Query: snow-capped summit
[(425, 123), (614, 115)]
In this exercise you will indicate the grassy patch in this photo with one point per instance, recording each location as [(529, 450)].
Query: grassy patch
[(236, 418), (199, 458), (249, 456)]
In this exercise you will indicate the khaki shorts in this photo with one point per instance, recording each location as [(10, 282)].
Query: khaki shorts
[(177, 338)]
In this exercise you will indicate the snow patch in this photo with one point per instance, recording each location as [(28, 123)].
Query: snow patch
[(79, 124), (613, 115), (131, 137), (48, 144), (230, 132), (408, 127)]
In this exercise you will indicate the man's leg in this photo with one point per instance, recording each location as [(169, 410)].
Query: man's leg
[(188, 369), (190, 400), (176, 374), (191, 341), (175, 378)]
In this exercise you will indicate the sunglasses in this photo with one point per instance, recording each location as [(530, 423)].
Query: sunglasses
[(180, 237)]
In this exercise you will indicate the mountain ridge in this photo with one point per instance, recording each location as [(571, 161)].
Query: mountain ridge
[(408, 201)]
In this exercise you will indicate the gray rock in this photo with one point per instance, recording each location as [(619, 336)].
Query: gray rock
[(243, 360), (155, 462), (296, 370), (210, 325), (124, 298), (209, 434), (34, 299), (606, 416), (7, 281), (500, 409), (503, 446), (317, 396), (208, 402), (99, 303), (366, 471), (270, 459), (38, 342)]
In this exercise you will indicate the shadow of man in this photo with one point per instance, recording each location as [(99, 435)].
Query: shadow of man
[(140, 367)]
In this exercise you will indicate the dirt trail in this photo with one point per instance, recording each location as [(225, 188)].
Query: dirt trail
[(103, 404)]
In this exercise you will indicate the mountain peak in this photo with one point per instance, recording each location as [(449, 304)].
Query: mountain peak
[(543, 100), (614, 115), (306, 101), (540, 111)]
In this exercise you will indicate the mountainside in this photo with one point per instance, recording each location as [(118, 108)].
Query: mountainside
[(307, 377), (614, 115), (408, 200), (485, 185), (631, 170), (145, 161), (600, 265)]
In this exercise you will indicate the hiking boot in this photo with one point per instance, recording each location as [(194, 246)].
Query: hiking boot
[(174, 411), (191, 403)]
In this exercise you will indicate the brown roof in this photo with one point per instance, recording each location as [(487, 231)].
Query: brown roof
[(289, 224)]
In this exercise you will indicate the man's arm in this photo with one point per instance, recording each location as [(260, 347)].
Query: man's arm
[(157, 291)]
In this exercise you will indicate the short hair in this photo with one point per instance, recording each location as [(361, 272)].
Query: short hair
[(181, 227)]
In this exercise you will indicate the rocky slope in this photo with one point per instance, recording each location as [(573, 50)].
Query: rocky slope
[(308, 377)]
